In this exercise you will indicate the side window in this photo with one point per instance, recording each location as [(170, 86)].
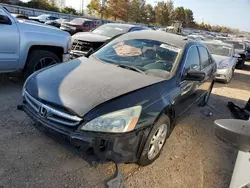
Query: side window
[(91, 24), (205, 57), (192, 60), (4, 19)]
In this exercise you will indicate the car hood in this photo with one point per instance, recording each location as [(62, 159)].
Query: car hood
[(36, 27), (82, 84), (239, 51), (219, 58), (90, 37)]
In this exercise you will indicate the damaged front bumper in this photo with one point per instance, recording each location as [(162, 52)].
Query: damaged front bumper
[(119, 148)]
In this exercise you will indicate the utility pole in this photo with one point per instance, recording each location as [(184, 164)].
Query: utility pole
[(82, 7)]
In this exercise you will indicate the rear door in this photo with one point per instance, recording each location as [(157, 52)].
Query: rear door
[(9, 44), (208, 66)]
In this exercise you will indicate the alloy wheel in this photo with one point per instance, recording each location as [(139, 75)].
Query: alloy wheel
[(157, 141), (44, 62)]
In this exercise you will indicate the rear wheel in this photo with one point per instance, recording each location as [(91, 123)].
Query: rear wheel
[(240, 64), (156, 140), (39, 59)]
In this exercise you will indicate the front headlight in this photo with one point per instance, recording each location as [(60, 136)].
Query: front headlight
[(223, 65), (116, 122)]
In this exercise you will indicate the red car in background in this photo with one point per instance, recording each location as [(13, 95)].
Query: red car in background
[(78, 25)]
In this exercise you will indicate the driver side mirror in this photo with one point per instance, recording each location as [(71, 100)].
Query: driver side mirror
[(234, 132), (4, 20), (194, 75)]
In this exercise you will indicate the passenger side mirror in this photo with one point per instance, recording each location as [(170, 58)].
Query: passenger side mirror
[(234, 132), (236, 56), (4, 20), (194, 75)]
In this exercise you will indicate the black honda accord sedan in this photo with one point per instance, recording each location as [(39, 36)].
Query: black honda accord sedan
[(122, 101)]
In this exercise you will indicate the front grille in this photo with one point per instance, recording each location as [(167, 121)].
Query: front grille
[(80, 45), (49, 113)]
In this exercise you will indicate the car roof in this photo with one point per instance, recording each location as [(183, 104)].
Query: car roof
[(124, 25), (176, 40), (218, 43)]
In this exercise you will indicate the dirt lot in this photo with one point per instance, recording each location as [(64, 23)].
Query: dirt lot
[(192, 157)]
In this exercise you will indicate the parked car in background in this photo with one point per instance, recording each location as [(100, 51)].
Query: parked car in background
[(221, 38), (121, 103), (43, 18), (196, 37), (225, 57), (20, 16), (85, 42), (56, 23), (78, 25), (28, 46), (240, 48)]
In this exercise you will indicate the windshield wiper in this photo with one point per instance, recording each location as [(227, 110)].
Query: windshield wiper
[(130, 67)]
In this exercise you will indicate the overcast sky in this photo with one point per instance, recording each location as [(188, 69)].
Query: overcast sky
[(232, 13)]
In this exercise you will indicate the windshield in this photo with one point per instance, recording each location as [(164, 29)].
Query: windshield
[(146, 55), (219, 49), (110, 30), (43, 16), (238, 45), (78, 21)]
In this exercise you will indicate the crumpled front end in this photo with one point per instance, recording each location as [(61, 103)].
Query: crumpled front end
[(101, 147)]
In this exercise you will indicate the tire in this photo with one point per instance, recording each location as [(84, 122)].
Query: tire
[(44, 57), (207, 95), (241, 64), (229, 77), (148, 156)]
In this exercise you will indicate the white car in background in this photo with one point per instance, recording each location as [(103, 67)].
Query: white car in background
[(43, 18), (225, 57)]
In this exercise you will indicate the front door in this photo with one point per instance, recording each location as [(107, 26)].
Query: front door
[(188, 88), (9, 44)]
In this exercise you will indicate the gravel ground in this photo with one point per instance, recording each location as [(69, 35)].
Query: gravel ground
[(192, 157)]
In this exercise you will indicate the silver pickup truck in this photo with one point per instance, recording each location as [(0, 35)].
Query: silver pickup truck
[(27, 46)]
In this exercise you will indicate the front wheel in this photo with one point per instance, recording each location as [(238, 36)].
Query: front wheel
[(39, 59), (229, 76), (156, 140)]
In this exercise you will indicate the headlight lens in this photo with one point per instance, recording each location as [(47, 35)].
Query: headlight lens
[(116, 122), (223, 65)]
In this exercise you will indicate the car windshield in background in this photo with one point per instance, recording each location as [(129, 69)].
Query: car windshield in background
[(142, 54), (43, 16), (110, 30), (78, 21), (238, 45), (219, 49)]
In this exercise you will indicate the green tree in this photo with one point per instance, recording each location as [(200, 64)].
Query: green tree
[(150, 14), (189, 18), (69, 10), (179, 14), (162, 16), (136, 11)]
